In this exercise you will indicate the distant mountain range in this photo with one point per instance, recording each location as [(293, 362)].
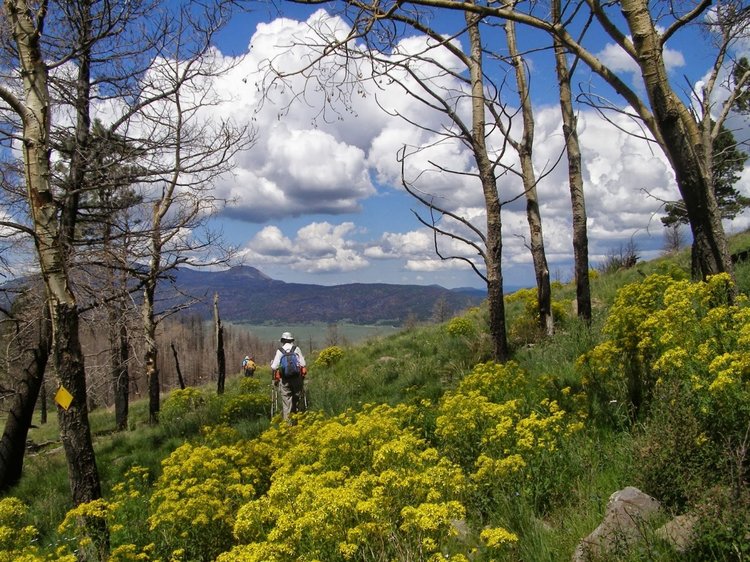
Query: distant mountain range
[(247, 295)]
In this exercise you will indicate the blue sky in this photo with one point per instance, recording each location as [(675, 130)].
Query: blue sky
[(320, 201)]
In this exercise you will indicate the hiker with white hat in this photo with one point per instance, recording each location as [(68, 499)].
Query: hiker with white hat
[(289, 372)]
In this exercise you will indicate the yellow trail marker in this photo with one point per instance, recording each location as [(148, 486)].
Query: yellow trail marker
[(63, 398)]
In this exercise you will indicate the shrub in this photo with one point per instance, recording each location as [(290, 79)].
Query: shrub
[(460, 326), (329, 356), (184, 411), (344, 486), (252, 401), (246, 407), (86, 525), (614, 371), (131, 500), (679, 353), (197, 496), (721, 533), (676, 458), (18, 538), (525, 328), (507, 443)]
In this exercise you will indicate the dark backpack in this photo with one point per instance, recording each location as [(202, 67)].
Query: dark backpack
[(289, 364)]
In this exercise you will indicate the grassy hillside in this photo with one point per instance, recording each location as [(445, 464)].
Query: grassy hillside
[(418, 448)]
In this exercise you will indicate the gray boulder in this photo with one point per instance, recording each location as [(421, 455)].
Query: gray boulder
[(627, 512)]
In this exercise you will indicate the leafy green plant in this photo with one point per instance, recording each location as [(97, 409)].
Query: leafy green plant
[(185, 411), (508, 443), (721, 531), (250, 401), (615, 371), (525, 327), (679, 354)]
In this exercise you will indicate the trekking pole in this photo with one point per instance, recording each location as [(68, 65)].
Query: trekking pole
[(273, 400)]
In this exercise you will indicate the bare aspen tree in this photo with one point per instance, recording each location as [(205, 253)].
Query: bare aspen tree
[(575, 177), (642, 33), (493, 235), (32, 106), (524, 147), (487, 243), (185, 154)]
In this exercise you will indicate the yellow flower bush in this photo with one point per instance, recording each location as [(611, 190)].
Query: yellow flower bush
[(344, 486), (496, 382), (678, 354), (17, 538), (665, 329), (618, 371), (329, 356), (12, 512), (182, 401), (196, 498), (526, 327), (86, 524), (185, 411), (498, 538), (246, 406), (460, 326), (490, 426), (250, 402)]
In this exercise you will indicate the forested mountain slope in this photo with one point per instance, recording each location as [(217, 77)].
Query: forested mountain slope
[(247, 295)]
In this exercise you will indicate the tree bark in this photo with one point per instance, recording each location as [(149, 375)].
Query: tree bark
[(43, 402), (13, 442), (75, 432), (119, 355), (533, 215), (494, 243), (575, 178), (34, 112), (682, 143), (152, 351), (221, 363)]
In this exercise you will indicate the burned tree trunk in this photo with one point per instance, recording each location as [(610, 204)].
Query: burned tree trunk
[(221, 363), (34, 356), (180, 380)]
